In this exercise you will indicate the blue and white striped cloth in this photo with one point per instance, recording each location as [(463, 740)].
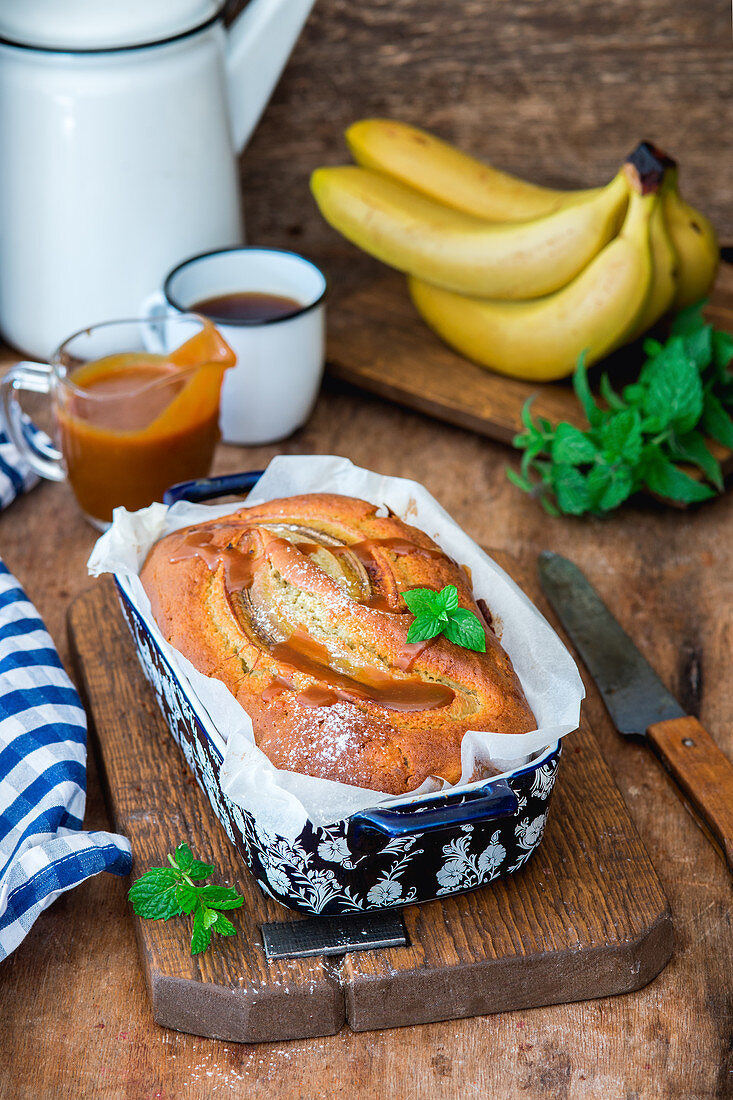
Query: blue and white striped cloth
[(16, 475), (43, 851)]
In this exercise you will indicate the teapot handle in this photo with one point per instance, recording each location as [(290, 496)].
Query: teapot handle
[(261, 40)]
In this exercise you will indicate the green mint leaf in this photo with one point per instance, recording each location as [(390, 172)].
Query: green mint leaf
[(538, 447), (463, 628), (421, 601), (447, 599), (722, 349), (533, 437), (692, 448), (161, 874), (597, 482), (645, 436), (428, 605), (653, 425), (674, 388), (220, 897), (610, 486), (571, 490), (209, 916), (689, 320), (673, 349), (458, 624), (716, 422), (609, 394), (184, 856), (154, 895), (165, 892), (699, 347), (201, 936), (634, 394), (652, 348), (527, 417), (571, 446), (224, 926), (663, 477), (621, 436), (187, 897), (424, 628), (529, 463), (593, 414), (199, 870), (621, 488)]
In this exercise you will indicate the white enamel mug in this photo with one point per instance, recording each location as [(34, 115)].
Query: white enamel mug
[(273, 388)]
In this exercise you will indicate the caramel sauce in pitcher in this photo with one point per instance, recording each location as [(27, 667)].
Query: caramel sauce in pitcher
[(131, 425)]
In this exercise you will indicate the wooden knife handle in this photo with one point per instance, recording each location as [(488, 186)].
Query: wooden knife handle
[(704, 773)]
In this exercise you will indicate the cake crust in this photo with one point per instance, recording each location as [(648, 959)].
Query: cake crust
[(296, 606)]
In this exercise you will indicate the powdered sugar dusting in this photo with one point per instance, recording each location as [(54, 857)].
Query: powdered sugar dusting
[(286, 801), (328, 739)]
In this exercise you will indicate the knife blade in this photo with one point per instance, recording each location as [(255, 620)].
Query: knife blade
[(637, 700), (631, 689)]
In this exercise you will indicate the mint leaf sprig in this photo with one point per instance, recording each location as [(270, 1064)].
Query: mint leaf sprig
[(165, 892), (639, 438), (438, 613)]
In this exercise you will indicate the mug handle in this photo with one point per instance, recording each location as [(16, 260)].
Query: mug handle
[(155, 310), (42, 457)]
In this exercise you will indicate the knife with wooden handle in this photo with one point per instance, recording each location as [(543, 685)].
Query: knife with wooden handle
[(638, 701)]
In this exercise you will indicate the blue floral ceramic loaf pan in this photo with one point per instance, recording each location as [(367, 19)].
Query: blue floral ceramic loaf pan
[(363, 850)]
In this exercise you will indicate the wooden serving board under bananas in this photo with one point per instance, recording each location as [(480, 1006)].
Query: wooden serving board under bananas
[(518, 278)]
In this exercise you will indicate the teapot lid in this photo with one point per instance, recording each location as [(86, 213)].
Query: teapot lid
[(80, 25)]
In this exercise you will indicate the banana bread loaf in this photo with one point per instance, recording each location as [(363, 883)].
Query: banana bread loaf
[(296, 606)]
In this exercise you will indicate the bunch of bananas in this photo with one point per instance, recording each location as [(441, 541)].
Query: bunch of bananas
[(517, 277)]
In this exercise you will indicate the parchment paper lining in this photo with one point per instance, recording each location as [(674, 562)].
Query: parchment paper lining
[(283, 801)]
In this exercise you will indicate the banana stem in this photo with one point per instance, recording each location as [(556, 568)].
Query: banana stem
[(646, 167)]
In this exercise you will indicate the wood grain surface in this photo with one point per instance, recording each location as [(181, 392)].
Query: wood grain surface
[(398, 357), (704, 773), (507, 946), (558, 92), (75, 1013)]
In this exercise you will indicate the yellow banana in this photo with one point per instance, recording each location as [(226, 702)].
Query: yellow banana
[(664, 274), (541, 340), (458, 251), (445, 174), (695, 242)]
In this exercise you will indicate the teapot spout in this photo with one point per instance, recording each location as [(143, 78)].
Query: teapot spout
[(260, 42)]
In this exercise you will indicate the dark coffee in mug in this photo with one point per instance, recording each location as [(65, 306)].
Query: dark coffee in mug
[(248, 307)]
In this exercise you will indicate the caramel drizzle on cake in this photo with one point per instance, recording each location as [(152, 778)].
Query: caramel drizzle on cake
[(300, 651), (296, 605)]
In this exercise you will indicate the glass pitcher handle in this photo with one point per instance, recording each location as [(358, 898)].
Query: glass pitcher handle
[(43, 458)]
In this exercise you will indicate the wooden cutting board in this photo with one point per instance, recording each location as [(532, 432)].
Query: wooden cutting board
[(377, 341), (585, 918)]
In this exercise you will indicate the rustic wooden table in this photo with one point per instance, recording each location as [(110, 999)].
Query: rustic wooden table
[(75, 1016)]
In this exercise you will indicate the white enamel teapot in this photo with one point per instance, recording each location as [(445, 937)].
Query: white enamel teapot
[(120, 124)]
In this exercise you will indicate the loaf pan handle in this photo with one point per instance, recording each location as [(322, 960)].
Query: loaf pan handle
[(372, 829), (206, 488)]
